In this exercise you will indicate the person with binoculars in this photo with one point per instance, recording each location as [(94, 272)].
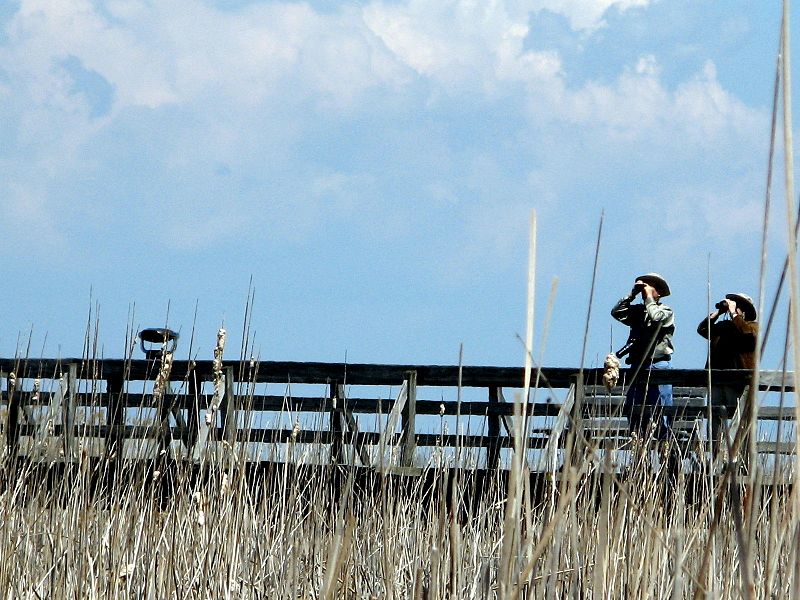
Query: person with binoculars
[(649, 346), (731, 330)]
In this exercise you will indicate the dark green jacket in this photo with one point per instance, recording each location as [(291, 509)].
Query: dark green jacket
[(652, 326)]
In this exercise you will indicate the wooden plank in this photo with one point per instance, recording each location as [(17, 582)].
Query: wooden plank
[(775, 413), (553, 442), (621, 423), (355, 437), (681, 392), (392, 420), (505, 410), (223, 400), (274, 403), (775, 447), (374, 438), (374, 374), (775, 380)]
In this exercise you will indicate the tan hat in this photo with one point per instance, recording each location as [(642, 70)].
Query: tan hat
[(657, 281), (744, 302)]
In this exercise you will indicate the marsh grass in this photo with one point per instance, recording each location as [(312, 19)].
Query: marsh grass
[(161, 523), (301, 528)]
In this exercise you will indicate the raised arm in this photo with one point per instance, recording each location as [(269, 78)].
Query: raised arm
[(622, 309), (703, 327)]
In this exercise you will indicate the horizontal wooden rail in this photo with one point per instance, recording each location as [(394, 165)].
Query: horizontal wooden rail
[(100, 390), (370, 374), (593, 407)]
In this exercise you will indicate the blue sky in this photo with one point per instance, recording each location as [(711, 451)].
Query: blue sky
[(372, 166)]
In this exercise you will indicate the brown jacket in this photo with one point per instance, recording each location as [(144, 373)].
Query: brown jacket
[(733, 343)]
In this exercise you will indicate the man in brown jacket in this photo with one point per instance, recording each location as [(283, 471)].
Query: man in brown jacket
[(733, 346)]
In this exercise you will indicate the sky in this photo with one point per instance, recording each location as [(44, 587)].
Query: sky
[(372, 166)]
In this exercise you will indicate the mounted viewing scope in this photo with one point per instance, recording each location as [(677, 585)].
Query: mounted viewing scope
[(154, 339)]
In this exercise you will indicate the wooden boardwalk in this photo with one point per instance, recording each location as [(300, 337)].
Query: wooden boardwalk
[(56, 409)]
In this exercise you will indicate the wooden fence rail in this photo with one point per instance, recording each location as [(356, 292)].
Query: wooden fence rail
[(72, 400)]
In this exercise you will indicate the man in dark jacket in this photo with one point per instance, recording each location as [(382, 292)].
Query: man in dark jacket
[(732, 346), (649, 346)]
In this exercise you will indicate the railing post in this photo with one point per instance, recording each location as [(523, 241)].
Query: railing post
[(115, 418), (70, 400), (493, 429), (408, 440)]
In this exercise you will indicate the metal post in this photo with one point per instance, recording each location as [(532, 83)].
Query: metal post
[(408, 441)]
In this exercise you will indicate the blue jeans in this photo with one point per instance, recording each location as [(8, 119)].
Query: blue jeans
[(644, 400)]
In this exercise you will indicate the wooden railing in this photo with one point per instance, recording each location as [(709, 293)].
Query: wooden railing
[(78, 400)]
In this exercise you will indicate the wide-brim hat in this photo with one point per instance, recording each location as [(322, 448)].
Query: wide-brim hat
[(657, 281), (744, 302)]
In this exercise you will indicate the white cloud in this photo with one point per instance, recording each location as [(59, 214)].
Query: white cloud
[(43, 33), (184, 51), (587, 14), (707, 111), (247, 86), (459, 42), (639, 106)]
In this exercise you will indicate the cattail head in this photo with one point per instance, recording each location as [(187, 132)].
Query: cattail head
[(162, 379), (219, 350), (611, 371)]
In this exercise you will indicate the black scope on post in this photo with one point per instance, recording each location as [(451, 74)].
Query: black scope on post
[(154, 339)]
